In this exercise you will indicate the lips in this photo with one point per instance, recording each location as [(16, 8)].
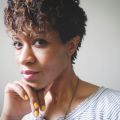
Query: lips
[(29, 74)]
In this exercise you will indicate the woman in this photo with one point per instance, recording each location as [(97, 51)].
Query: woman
[(46, 35)]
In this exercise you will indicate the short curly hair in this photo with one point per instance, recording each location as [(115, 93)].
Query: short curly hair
[(65, 16)]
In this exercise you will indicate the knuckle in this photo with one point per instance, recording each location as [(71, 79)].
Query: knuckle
[(21, 91), (8, 87)]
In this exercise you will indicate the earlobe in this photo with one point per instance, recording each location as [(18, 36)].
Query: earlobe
[(73, 44)]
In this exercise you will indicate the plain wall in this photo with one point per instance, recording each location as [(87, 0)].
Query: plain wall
[(99, 57)]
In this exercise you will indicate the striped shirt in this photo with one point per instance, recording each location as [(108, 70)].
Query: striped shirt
[(101, 105)]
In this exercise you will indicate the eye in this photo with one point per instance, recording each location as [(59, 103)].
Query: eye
[(18, 45), (39, 42)]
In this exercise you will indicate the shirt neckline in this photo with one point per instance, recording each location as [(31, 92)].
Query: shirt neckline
[(84, 104)]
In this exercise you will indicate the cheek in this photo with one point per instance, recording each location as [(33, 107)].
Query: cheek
[(18, 55), (17, 59), (52, 60), (55, 66)]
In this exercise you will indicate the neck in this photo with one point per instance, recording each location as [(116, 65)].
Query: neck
[(62, 89)]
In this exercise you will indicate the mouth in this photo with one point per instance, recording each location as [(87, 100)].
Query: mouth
[(29, 74)]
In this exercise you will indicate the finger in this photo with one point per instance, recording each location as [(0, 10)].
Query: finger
[(40, 94), (34, 101), (17, 89), (23, 92)]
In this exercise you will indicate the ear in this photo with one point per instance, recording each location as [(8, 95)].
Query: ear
[(73, 44)]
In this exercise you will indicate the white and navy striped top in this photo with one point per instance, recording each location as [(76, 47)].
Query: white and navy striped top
[(102, 105)]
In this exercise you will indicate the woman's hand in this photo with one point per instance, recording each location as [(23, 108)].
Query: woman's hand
[(21, 99)]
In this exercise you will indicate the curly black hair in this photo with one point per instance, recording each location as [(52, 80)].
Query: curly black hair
[(66, 16)]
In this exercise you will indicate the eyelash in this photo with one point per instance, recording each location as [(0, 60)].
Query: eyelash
[(41, 43), (18, 45)]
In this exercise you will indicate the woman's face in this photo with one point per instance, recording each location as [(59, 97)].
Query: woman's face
[(42, 58)]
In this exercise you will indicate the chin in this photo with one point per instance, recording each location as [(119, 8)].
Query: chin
[(35, 85)]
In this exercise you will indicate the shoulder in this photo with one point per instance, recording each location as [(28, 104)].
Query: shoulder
[(107, 103), (109, 96), (101, 105), (106, 97)]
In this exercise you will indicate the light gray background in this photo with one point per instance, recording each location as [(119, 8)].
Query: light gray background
[(99, 58)]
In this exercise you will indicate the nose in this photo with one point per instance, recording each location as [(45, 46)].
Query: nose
[(27, 56)]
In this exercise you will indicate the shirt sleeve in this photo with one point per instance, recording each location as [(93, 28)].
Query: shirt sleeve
[(31, 117)]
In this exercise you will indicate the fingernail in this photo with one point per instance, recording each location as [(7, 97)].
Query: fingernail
[(26, 97), (36, 113), (43, 108), (36, 105)]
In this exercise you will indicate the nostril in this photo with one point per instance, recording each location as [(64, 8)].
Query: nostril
[(30, 59), (25, 60)]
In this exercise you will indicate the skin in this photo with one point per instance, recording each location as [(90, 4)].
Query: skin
[(55, 82)]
